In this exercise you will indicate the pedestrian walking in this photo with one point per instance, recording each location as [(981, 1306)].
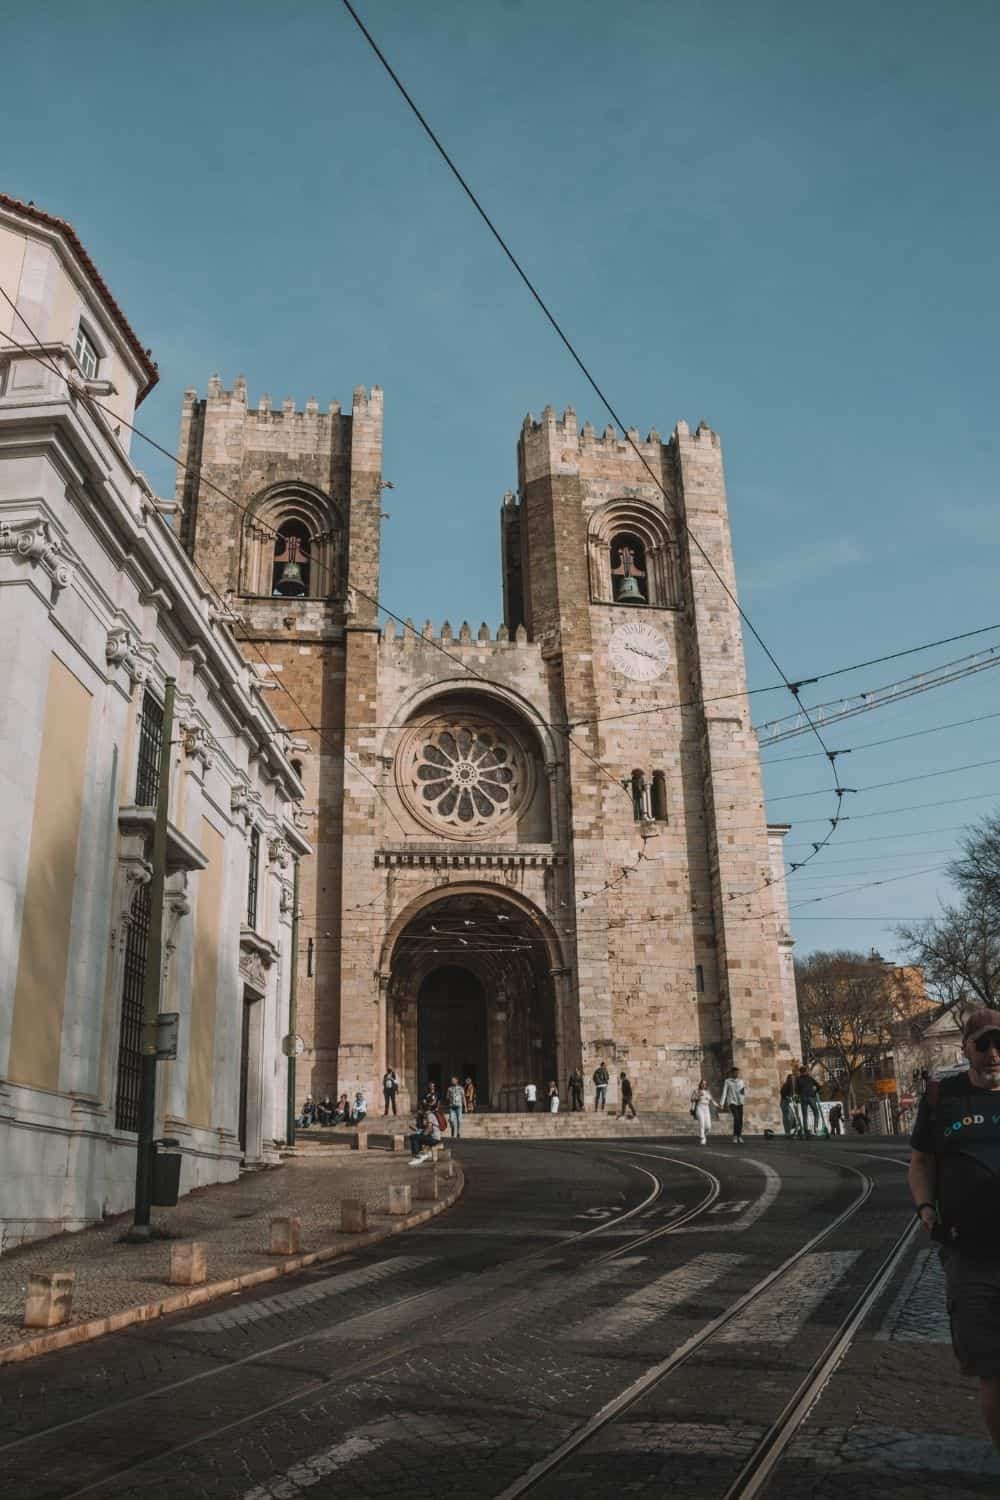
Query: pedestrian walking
[(470, 1097), (626, 1097), (530, 1095), (859, 1120), (790, 1117), (601, 1080), (807, 1092), (390, 1088), (956, 1190), (455, 1100), (576, 1089), (701, 1109), (552, 1094), (734, 1094), (837, 1119)]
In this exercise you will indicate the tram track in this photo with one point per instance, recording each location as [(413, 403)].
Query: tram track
[(513, 1276), (758, 1468)]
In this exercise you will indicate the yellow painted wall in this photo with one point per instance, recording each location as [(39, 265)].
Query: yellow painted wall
[(40, 991), (201, 1067)]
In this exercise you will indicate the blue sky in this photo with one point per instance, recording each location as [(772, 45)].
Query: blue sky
[(780, 217)]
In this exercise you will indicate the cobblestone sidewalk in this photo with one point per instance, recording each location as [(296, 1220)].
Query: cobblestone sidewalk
[(113, 1278)]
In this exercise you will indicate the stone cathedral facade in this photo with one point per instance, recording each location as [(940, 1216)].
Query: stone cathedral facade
[(545, 844)]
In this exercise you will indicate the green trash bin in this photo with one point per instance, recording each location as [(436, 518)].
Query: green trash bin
[(167, 1160)]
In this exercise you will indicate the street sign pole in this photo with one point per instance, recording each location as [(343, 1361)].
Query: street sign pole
[(151, 984)]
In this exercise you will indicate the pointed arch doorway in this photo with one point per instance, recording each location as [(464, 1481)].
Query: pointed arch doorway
[(471, 994)]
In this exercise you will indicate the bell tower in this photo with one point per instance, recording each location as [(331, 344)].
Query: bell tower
[(296, 558), (677, 926)]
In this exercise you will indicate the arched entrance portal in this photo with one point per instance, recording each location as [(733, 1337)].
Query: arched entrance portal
[(471, 993)]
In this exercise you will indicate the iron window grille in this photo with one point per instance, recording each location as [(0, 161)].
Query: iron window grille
[(253, 876), (147, 780), (130, 1033)]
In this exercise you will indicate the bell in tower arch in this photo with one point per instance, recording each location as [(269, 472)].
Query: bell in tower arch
[(627, 557), (291, 562)]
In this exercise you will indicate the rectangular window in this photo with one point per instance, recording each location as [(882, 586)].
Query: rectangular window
[(86, 354), (253, 876), (147, 780), (130, 1032), (699, 979)]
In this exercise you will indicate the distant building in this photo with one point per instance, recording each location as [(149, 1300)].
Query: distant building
[(98, 605)]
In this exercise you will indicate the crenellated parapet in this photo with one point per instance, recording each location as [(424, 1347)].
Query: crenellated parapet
[(269, 414), (408, 638)]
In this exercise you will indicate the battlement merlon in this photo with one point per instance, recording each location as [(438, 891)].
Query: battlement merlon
[(407, 637), (556, 445), (218, 399)]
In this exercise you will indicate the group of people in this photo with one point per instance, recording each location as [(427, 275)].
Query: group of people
[(800, 1108), (325, 1112), (435, 1114), (575, 1091)]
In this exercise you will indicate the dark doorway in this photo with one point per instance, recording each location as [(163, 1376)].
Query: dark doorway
[(451, 1029)]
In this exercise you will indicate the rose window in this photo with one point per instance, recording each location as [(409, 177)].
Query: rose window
[(469, 776)]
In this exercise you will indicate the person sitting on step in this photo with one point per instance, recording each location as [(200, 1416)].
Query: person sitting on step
[(426, 1134)]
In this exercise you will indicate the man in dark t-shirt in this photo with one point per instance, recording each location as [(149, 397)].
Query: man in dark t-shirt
[(954, 1177)]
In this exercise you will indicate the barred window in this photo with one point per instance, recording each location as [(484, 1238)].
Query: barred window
[(130, 1032), (253, 875), (147, 781)]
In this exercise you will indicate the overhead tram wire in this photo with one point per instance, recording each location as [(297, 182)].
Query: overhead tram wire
[(879, 786), (203, 478), (792, 687)]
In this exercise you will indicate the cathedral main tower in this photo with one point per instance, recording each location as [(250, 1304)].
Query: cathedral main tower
[(536, 846)]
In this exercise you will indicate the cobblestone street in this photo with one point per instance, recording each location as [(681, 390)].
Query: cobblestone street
[(596, 1318)]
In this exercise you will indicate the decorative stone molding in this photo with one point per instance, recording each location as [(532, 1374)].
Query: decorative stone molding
[(134, 870), (177, 907), (34, 542), (195, 744), (123, 648), (244, 802), (285, 898), (257, 956), (279, 853), (391, 859)]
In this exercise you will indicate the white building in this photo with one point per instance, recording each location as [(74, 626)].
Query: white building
[(98, 605)]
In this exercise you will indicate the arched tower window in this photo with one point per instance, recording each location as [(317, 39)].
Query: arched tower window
[(290, 572), (633, 556), (292, 545)]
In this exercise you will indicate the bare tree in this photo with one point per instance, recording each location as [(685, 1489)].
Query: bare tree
[(959, 952), (848, 1012)]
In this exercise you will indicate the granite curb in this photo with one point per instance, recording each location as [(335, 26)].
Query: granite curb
[(81, 1333)]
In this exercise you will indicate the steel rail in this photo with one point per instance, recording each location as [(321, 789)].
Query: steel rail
[(365, 1367), (765, 1457), (658, 1372)]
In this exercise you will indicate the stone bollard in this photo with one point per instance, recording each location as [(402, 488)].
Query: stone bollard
[(50, 1299), (353, 1216), (427, 1184), (399, 1143), (447, 1168), (286, 1235), (360, 1142), (188, 1263), (400, 1198)]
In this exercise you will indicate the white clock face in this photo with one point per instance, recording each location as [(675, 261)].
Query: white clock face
[(639, 651)]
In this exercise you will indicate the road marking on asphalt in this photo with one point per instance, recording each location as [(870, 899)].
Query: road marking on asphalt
[(919, 1312), (731, 1206), (772, 1187), (315, 1468), (777, 1317), (668, 1291), (301, 1296)]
